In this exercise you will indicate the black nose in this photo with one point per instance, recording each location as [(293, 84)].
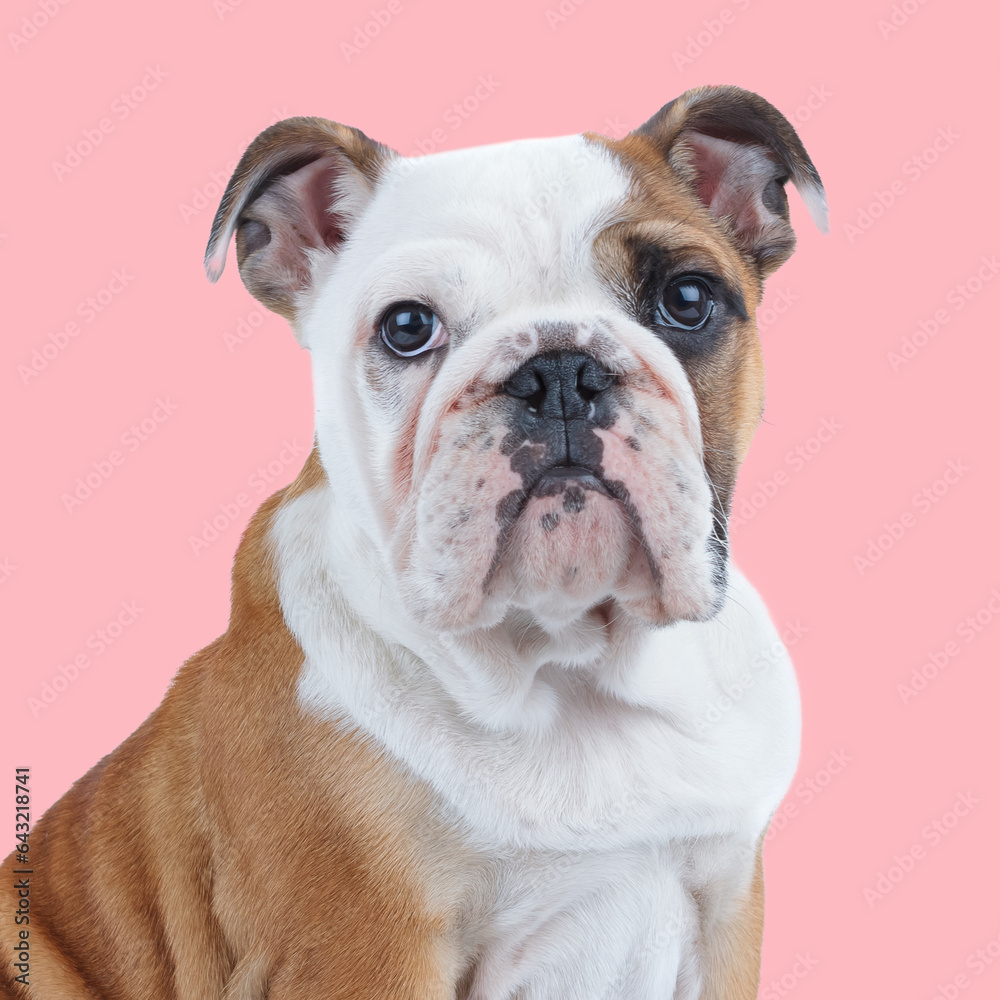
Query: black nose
[(562, 385)]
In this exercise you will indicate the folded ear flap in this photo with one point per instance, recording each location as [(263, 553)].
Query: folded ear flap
[(296, 193), (736, 152)]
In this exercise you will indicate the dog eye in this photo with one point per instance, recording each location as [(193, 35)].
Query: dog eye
[(686, 303), (410, 328)]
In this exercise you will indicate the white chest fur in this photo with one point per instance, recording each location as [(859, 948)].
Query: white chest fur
[(637, 792), (627, 924)]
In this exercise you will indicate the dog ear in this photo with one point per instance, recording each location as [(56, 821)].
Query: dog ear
[(297, 191), (737, 151)]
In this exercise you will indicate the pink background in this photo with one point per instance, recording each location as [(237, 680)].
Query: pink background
[(141, 203)]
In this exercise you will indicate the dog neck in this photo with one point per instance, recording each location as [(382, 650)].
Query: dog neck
[(507, 676), (473, 713)]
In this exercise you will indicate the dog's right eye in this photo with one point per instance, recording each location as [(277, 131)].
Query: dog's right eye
[(410, 328)]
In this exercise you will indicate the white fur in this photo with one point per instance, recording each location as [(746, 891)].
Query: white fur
[(604, 769)]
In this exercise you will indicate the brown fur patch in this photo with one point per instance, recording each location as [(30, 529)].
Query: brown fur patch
[(732, 951), (282, 149), (237, 847), (663, 210), (741, 119)]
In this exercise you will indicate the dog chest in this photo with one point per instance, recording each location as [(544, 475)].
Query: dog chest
[(623, 924)]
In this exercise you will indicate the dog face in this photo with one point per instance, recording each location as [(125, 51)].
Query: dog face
[(536, 366)]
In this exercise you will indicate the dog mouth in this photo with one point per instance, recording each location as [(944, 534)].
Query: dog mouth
[(572, 481), (559, 478)]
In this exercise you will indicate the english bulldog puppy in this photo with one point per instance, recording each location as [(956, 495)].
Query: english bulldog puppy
[(495, 717)]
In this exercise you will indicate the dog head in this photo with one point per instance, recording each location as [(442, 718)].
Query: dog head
[(536, 365)]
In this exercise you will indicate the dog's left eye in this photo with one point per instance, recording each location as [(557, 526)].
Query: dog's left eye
[(686, 303), (410, 328)]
